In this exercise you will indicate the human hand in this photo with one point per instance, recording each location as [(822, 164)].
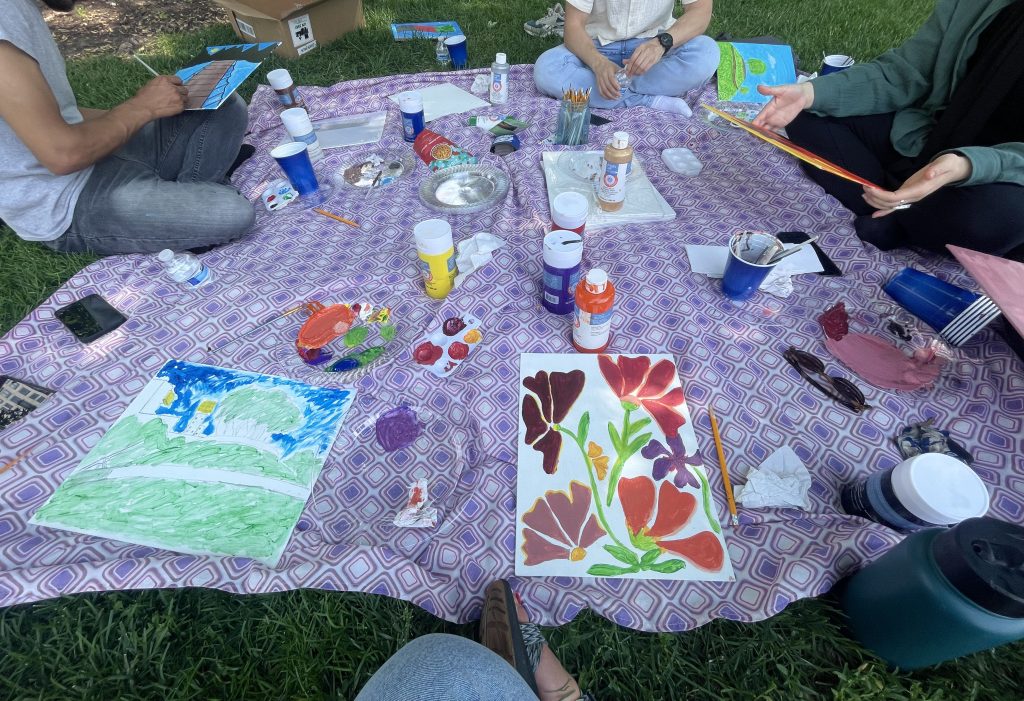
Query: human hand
[(607, 85), (645, 56), (787, 102), (947, 168), (163, 96)]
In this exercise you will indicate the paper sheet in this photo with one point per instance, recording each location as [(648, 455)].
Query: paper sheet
[(350, 130), (444, 99)]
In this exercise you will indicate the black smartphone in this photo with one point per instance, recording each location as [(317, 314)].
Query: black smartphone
[(90, 318), (829, 268), (597, 120)]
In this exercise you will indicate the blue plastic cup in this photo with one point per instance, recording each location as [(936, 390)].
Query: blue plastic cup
[(457, 50), (293, 157), (957, 314), (743, 274), (835, 63)]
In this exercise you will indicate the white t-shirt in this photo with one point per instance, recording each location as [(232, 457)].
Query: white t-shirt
[(34, 202), (617, 20)]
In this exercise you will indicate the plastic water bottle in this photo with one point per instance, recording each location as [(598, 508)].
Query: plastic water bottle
[(499, 80), (185, 268), (441, 53)]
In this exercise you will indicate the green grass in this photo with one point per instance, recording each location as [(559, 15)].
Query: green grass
[(199, 644)]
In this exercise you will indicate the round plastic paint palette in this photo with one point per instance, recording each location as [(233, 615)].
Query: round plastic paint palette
[(682, 161), (347, 338)]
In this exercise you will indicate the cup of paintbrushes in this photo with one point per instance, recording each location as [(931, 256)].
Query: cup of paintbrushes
[(573, 127)]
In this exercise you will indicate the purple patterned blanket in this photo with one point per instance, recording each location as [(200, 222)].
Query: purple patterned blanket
[(341, 542)]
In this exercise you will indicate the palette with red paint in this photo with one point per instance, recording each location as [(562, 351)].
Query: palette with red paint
[(447, 347)]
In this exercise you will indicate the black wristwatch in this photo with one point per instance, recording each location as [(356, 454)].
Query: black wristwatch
[(666, 41)]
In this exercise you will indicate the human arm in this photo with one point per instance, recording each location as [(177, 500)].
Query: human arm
[(692, 23), (91, 113), (579, 42), (971, 165), (28, 105)]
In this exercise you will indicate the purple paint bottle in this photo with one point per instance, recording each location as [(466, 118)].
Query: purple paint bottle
[(563, 258)]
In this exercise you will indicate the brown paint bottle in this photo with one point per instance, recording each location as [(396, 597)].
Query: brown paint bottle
[(611, 189)]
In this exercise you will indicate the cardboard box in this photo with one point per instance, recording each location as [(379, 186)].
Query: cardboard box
[(300, 25)]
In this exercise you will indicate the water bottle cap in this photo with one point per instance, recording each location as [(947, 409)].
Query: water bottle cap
[(620, 139), (500, 58), (165, 256)]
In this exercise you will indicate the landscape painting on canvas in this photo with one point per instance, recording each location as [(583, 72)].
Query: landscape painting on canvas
[(610, 480)]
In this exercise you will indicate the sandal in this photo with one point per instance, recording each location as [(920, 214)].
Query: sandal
[(501, 632)]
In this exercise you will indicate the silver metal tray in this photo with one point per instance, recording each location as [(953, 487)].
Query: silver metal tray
[(464, 189)]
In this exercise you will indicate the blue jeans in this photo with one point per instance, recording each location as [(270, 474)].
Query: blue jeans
[(681, 70), (165, 188), (440, 666)]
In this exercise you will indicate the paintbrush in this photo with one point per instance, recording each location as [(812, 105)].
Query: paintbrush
[(788, 252), (145, 65), (288, 312)]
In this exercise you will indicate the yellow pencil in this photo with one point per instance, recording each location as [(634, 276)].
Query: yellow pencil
[(722, 466), (343, 220)]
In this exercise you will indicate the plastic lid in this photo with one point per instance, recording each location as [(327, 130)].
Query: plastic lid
[(433, 236), (279, 79), (620, 139), (296, 121), (939, 489), (563, 249), (410, 101), (983, 559), (500, 58), (165, 256), (570, 210), (597, 280)]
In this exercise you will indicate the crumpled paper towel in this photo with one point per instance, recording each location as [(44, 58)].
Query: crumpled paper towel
[(474, 253), (481, 85), (781, 480)]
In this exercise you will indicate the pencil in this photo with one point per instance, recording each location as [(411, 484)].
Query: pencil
[(354, 225), (722, 466), (145, 65)]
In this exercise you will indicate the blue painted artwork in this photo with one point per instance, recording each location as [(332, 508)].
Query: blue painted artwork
[(214, 75), (205, 460), (742, 67)]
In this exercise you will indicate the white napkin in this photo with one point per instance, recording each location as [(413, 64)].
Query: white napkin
[(781, 480), (474, 253)]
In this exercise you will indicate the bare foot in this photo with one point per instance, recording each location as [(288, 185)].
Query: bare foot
[(553, 682)]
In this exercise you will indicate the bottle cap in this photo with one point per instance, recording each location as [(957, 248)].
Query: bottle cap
[(279, 79), (620, 139), (569, 210), (296, 121), (165, 256), (500, 58), (563, 249), (410, 102), (597, 280), (433, 236)]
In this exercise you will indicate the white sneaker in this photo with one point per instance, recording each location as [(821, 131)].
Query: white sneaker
[(551, 23)]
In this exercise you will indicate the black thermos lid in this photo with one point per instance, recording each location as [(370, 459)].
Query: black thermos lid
[(983, 558)]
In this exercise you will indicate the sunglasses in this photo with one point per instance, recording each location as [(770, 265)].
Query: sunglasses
[(838, 389)]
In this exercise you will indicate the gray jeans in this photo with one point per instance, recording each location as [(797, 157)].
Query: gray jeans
[(164, 188)]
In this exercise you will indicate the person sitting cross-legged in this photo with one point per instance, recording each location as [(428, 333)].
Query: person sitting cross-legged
[(663, 57), (135, 179)]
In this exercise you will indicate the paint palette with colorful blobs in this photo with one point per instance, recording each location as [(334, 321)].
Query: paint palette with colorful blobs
[(348, 339), (443, 350), (682, 161), (278, 195), (389, 444)]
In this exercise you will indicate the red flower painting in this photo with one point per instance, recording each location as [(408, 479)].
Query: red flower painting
[(550, 397), (636, 382), (559, 526), (674, 510)]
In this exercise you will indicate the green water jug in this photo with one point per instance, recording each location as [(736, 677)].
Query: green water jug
[(940, 594)]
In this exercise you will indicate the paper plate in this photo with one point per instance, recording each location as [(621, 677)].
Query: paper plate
[(377, 169), (464, 189)]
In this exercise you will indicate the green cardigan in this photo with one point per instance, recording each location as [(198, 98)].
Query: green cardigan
[(916, 80)]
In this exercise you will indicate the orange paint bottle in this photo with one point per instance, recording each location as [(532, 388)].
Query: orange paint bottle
[(592, 324)]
